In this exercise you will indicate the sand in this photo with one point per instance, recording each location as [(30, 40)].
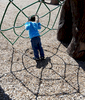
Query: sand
[(58, 77)]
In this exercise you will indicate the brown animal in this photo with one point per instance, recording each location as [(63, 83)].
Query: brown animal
[(54, 2), (72, 28)]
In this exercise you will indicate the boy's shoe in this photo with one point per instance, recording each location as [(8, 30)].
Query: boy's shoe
[(37, 59), (42, 58)]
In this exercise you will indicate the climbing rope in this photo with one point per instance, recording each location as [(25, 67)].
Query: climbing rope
[(36, 14)]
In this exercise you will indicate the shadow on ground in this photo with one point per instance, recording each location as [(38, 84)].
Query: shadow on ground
[(80, 62), (3, 95), (43, 63), (59, 77)]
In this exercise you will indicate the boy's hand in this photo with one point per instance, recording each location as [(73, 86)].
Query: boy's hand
[(38, 21)]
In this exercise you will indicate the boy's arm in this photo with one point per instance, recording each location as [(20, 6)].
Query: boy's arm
[(39, 24), (38, 21), (27, 25)]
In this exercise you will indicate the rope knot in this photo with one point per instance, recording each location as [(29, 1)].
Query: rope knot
[(11, 1), (41, 1)]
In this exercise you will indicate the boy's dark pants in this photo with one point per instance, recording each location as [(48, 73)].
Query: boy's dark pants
[(36, 45)]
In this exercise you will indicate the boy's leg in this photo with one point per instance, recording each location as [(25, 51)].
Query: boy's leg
[(40, 49), (35, 48)]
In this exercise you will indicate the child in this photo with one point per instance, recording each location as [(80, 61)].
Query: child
[(34, 35)]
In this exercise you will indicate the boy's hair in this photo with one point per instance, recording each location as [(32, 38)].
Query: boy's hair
[(32, 18)]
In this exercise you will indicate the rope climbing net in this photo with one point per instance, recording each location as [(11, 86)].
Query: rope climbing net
[(14, 27)]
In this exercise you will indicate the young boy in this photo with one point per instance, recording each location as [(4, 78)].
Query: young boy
[(34, 35)]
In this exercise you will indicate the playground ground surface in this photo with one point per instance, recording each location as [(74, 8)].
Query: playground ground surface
[(58, 77)]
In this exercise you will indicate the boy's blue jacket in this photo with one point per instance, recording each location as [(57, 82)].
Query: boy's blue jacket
[(33, 28)]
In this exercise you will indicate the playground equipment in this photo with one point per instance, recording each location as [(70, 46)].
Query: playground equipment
[(14, 27)]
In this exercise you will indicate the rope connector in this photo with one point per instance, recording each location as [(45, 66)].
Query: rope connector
[(50, 11), (21, 10), (11, 1), (13, 26), (41, 1)]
